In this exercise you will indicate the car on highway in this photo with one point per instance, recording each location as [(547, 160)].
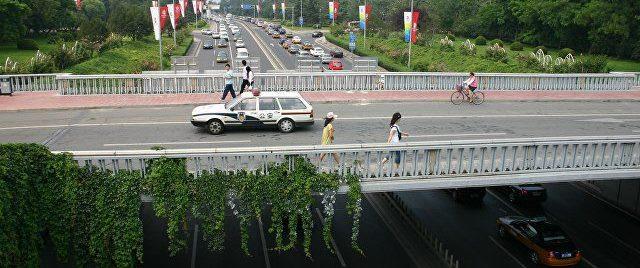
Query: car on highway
[(286, 44), (224, 35), (533, 193), (206, 32), (336, 53), (335, 65), (316, 34), (240, 43), (235, 30), (325, 58), (215, 35), (294, 49), (317, 51), (259, 23), (304, 54), (547, 243), (207, 44), (275, 35), (288, 35), (242, 53), (222, 57), (468, 195), (223, 43), (282, 41), (285, 110), (296, 39), (307, 46), (282, 31)]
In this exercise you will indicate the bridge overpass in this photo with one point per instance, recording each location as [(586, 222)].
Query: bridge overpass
[(423, 165)]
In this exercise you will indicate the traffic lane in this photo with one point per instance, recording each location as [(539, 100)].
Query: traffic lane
[(180, 134), (347, 63), (607, 237), (254, 50), (279, 57)]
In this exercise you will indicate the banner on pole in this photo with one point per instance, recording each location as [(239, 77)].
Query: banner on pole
[(283, 6), (194, 4), (331, 10), (274, 8), (414, 26), (155, 19), (164, 15), (200, 6), (79, 4), (183, 7), (172, 15), (177, 11), (259, 7), (410, 26)]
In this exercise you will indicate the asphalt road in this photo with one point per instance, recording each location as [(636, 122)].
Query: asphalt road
[(606, 237), (142, 128)]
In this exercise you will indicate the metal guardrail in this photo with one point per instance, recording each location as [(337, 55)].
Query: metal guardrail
[(330, 81), (422, 165), (32, 82)]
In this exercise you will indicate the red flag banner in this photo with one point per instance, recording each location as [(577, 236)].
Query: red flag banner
[(335, 9), (183, 7), (200, 6), (414, 26), (177, 11), (164, 15), (79, 4)]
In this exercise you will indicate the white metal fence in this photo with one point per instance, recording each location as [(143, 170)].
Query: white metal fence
[(635, 74), (421, 165), (32, 82), (330, 81)]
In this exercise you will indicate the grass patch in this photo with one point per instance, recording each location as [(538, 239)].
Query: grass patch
[(130, 58), (24, 56), (430, 57)]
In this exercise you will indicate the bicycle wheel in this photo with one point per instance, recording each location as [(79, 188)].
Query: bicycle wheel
[(457, 98), (478, 98)]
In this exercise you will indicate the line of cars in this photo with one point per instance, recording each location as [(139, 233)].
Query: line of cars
[(295, 45), (224, 37)]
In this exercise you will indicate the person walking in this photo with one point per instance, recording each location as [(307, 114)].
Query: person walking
[(395, 136), (245, 76), (327, 134), (228, 83)]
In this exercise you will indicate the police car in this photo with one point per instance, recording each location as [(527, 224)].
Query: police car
[(286, 110)]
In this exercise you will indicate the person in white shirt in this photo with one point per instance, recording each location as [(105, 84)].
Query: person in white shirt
[(395, 135), (228, 83), (245, 76)]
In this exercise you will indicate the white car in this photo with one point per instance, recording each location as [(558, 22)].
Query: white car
[(303, 54), (240, 43), (317, 51), (224, 35), (296, 40), (242, 53), (206, 32), (235, 30), (286, 110)]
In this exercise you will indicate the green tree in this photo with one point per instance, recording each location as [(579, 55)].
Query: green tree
[(12, 17), (130, 20), (93, 9), (94, 30)]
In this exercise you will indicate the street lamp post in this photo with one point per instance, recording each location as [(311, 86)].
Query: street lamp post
[(174, 29), (364, 39)]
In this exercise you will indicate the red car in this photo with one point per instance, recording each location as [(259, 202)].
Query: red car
[(335, 65)]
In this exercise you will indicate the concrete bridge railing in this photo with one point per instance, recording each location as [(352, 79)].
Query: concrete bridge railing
[(315, 81), (422, 165)]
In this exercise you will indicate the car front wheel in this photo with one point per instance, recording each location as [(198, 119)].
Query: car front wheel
[(533, 256), (215, 127), (286, 125)]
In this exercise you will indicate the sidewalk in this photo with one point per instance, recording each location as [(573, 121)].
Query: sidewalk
[(51, 100)]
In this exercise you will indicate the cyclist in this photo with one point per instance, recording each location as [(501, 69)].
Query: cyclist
[(470, 85)]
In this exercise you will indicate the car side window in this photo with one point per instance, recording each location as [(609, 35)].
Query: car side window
[(246, 105), (292, 104), (268, 104)]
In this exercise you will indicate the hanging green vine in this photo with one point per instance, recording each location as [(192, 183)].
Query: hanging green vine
[(354, 208), (210, 192), (168, 182)]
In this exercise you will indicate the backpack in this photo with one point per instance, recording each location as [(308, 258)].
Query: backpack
[(398, 132)]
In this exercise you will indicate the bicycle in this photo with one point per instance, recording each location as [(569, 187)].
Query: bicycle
[(460, 95)]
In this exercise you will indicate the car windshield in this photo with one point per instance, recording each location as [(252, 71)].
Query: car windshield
[(552, 234)]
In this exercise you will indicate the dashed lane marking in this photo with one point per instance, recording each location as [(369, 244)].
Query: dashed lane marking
[(172, 143), (457, 135), (507, 252)]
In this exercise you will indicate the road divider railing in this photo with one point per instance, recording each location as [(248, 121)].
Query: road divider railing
[(636, 75), (337, 81), (30, 82), (420, 165)]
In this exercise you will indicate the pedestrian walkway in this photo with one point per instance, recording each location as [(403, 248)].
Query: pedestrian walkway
[(51, 100)]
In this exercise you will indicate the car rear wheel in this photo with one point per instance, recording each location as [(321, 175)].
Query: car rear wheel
[(512, 197), (215, 127), (286, 125), (533, 256)]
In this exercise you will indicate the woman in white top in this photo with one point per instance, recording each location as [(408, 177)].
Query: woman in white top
[(395, 135)]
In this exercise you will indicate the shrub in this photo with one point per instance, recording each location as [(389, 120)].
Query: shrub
[(543, 48), (496, 41), (65, 56), (168, 50), (396, 35), (467, 48), (10, 67), (337, 30), (451, 37), (565, 52), (149, 65), (27, 44), (497, 53), (591, 64), (41, 64), (517, 46), (113, 41), (481, 41), (446, 44)]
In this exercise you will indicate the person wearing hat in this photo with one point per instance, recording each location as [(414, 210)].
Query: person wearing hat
[(327, 134)]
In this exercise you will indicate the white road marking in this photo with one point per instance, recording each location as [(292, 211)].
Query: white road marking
[(173, 143), (635, 250), (506, 251), (457, 135), (341, 119), (609, 120)]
